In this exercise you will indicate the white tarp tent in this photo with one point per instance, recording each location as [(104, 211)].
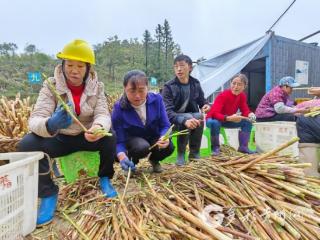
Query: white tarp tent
[(216, 71)]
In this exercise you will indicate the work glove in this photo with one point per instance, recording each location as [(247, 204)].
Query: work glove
[(59, 119), (252, 117), (126, 164)]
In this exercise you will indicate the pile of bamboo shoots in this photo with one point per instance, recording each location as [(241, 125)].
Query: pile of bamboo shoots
[(112, 99), (207, 199), (14, 115)]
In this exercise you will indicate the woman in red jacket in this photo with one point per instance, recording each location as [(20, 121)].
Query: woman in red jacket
[(224, 112)]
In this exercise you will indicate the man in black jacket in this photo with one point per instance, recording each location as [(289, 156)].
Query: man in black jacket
[(183, 98)]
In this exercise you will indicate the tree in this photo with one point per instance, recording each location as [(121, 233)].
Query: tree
[(167, 44), (30, 49), (147, 40), (6, 48), (158, 36), (176, 50), (12, 48), (111, 52)]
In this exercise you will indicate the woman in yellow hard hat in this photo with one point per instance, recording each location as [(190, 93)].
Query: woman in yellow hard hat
[(54, 132)]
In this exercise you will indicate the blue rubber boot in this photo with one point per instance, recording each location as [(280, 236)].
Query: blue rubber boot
[(107, 188), (46, 210), (181, 159), (243, 142), (215, 145)]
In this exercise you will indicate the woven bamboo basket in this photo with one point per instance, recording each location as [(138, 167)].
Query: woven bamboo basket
[(9, 144)]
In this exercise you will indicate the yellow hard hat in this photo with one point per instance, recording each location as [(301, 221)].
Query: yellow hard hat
[(78, 50)]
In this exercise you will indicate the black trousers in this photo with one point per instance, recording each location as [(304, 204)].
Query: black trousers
[(139, 148), (308, 129), (61, 145), (194, 137), (289, 117)]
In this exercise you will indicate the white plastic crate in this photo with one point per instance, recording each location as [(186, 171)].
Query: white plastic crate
[(270, 135), (18, 194)]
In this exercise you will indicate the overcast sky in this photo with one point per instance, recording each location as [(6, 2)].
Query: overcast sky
[(201, 27)]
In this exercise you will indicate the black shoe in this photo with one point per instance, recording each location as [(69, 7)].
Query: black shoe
[(156, 167)]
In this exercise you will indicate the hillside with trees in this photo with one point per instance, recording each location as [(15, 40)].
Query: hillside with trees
[(153, 54)]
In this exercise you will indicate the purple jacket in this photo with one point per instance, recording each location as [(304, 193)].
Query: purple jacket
[(127, 124), (265, 108)]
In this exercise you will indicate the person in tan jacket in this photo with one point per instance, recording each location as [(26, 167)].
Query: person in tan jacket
[(54, 132)]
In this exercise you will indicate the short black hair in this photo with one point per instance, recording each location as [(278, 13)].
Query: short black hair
[(135, 76), (183, 57)]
